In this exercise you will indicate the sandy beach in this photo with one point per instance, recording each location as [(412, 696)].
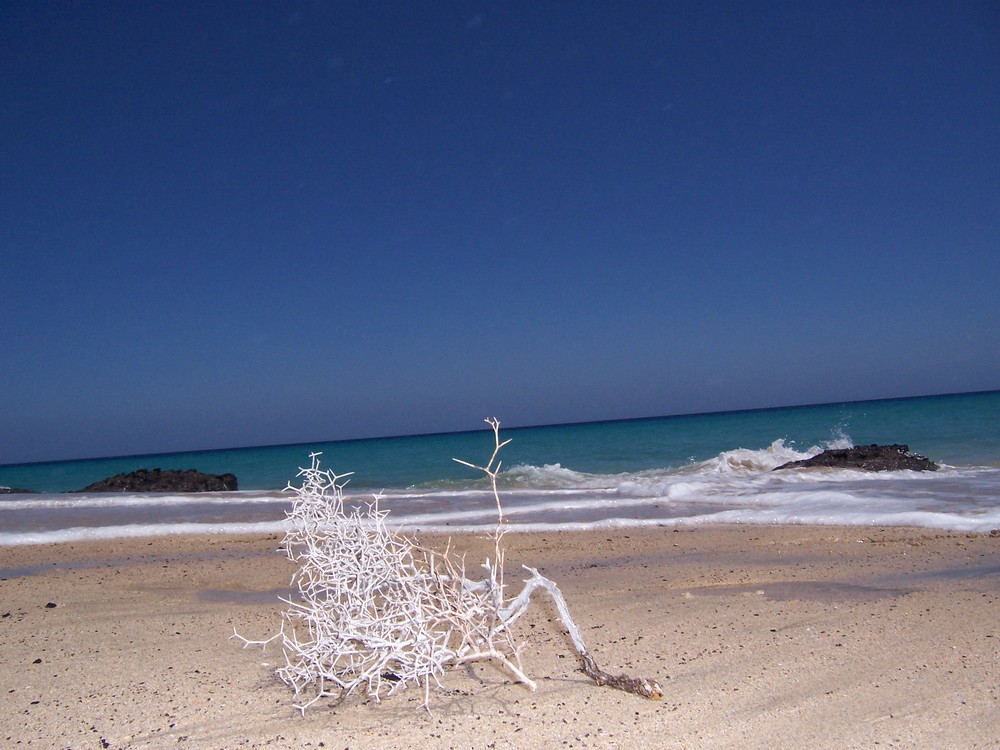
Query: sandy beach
[(761, 637)]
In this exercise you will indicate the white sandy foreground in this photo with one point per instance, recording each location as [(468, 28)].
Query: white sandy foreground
[(761, 637)]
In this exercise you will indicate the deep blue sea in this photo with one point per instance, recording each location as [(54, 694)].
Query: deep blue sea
[(699, 468)]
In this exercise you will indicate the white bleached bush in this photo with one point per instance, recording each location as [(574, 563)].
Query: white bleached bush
[(379, 612)]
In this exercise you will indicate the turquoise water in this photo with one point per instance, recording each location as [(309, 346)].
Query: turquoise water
[(961, 430), (706, 468)]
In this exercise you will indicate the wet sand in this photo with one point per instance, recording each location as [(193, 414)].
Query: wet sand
[(761, 637)]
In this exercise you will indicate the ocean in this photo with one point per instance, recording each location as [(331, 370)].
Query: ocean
[(702, 468)]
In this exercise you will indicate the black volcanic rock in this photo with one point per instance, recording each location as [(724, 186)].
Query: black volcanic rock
[(15, 491), (866, 458), (159, 480)]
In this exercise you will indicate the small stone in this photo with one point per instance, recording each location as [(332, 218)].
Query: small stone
[(51, 605)]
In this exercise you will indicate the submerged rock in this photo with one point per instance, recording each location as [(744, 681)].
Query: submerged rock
[(159, 480), (866, 458)]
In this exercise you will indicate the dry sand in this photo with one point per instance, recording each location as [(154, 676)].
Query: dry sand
[(762, 637)]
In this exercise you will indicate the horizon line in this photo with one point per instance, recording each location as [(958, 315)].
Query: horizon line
[(581, 423)]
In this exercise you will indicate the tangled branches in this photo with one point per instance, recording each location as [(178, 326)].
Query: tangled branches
[(380, 612)]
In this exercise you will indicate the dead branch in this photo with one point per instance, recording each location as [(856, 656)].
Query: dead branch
[(378, 612)]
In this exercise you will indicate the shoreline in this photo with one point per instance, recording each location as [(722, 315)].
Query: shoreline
[(761, 636)]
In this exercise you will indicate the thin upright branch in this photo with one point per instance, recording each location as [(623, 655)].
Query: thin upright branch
[(491, 470)]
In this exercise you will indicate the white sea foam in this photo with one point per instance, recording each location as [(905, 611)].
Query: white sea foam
[(737, 486), (551, 476), (126, 500), (743, 460), (104, 533)]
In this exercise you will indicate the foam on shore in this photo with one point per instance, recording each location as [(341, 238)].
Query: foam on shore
[(737, 486)]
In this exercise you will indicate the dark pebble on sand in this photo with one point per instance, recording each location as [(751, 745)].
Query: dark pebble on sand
[(51, 605)]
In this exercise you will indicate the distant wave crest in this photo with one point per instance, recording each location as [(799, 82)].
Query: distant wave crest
[(551, 476), (747, 461), (666, 482)]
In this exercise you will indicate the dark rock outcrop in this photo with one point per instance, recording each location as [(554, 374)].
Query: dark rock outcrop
[(866, 458), (15, 491), (169, 480)]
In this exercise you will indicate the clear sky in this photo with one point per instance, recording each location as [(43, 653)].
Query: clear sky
[(242, 223)]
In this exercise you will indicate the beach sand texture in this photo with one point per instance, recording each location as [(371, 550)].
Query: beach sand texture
[(761, 637)]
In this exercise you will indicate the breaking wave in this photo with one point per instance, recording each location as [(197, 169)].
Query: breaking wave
[(736, 486)]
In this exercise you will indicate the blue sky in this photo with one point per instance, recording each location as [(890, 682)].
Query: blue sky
[(227, 224)]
